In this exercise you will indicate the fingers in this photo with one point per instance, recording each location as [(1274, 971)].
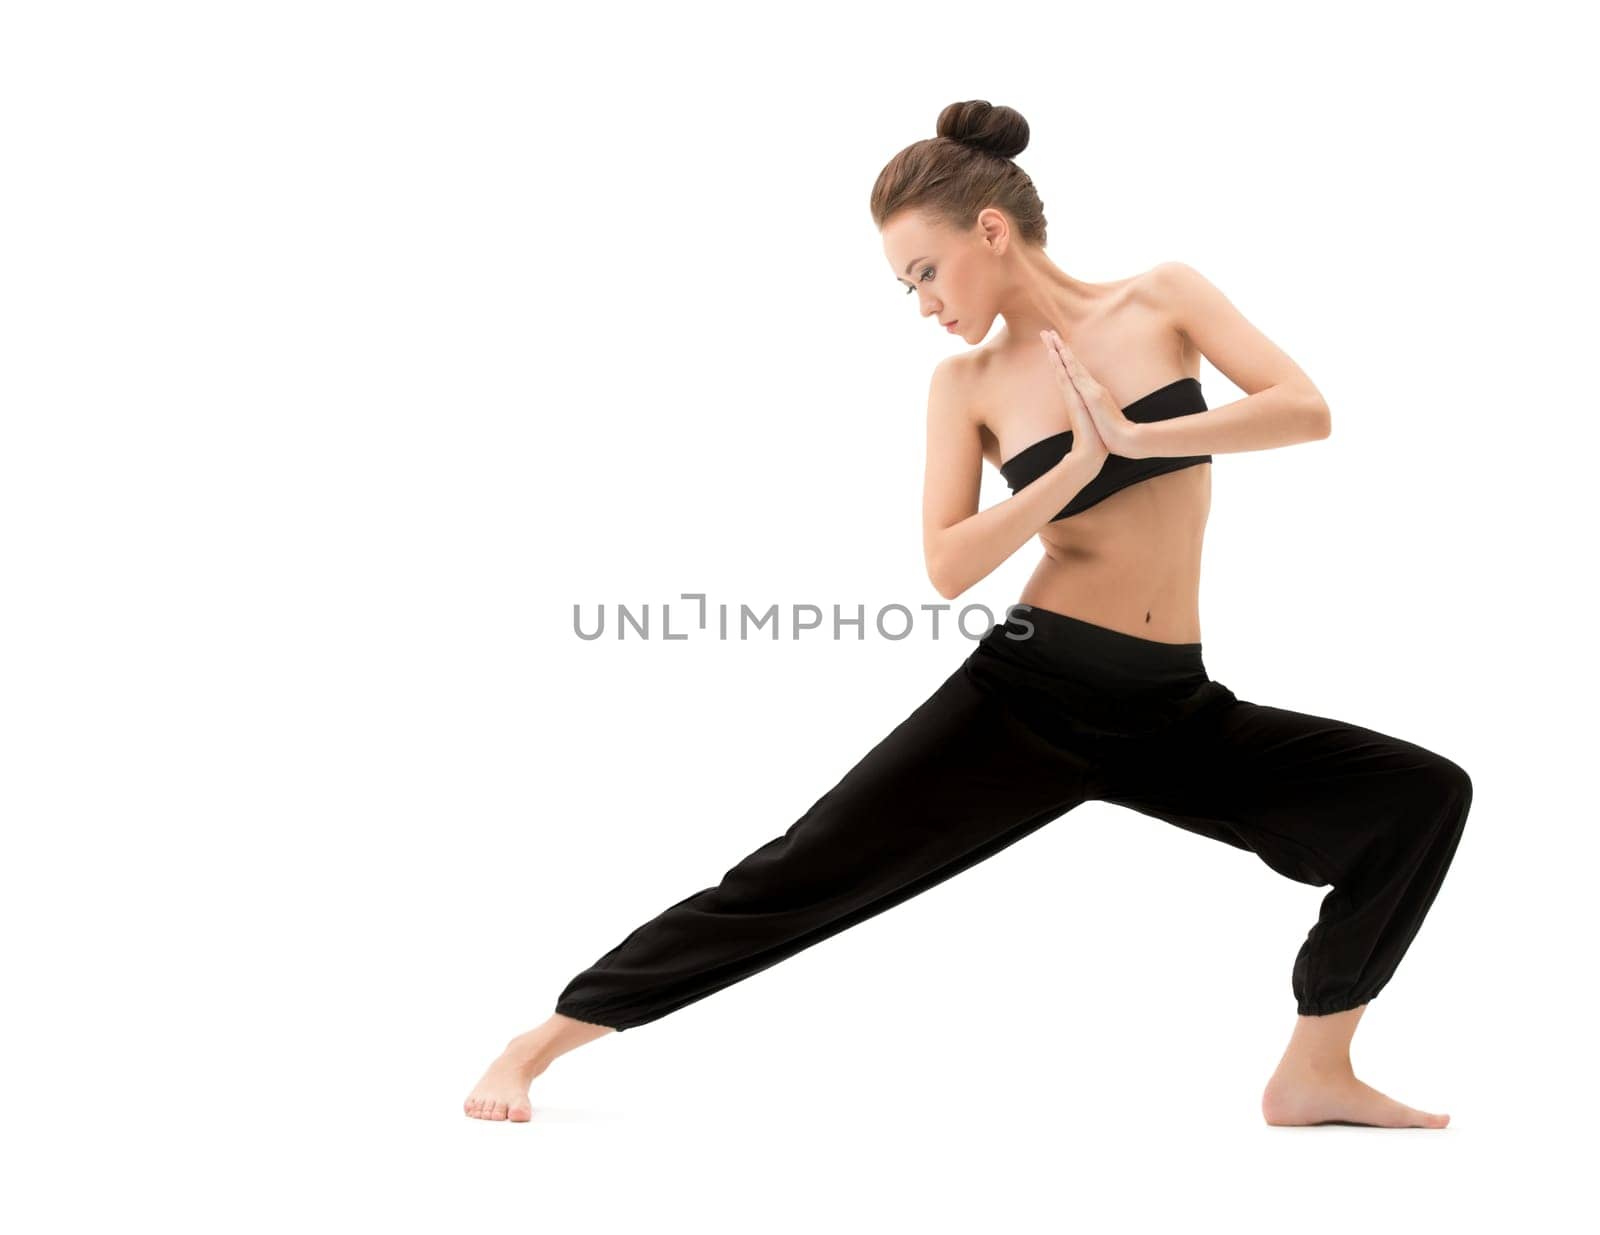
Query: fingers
[(1077, 410), (1055, 347), (1080, 376), (1077, 386)]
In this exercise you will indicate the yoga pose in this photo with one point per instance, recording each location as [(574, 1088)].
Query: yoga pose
[(1094, 687)]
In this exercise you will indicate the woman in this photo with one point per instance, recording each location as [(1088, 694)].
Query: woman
[(1094, 687)]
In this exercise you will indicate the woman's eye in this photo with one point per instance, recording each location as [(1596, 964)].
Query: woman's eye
[(926, 271)]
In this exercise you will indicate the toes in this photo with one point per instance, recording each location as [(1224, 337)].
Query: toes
[(490, 1108), (518, 1109)]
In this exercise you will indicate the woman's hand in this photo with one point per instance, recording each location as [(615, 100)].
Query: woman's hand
[(1087, 442), (1088, 399)]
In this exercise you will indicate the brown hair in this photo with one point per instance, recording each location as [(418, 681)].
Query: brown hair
[(963, 169)]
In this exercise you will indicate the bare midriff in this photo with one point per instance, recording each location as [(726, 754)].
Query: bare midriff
[(1132, 561)]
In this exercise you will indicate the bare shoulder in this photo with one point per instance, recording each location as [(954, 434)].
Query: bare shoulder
[(1154, 287), (951, 391), (956, 401), (1171, 286), (1168, 299)]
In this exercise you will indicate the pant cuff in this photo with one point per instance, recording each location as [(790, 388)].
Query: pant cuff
[(1333, 1004), (579, 1013)]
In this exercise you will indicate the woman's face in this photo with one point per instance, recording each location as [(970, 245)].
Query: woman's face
[(952, 273)]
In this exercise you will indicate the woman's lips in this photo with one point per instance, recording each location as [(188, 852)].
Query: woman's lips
[(952, 326)]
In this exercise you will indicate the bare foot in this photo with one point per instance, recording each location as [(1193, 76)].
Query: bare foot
[(503, 1091), (1300, 1096)]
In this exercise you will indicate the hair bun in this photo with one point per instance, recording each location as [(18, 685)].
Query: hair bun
[(999, 130)]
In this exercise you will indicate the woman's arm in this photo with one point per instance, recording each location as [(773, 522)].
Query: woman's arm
[(960, 543), (1283, 407)]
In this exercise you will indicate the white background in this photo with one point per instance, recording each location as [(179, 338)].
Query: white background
[(347, 347)]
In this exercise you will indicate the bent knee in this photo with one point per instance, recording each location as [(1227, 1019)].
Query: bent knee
[(1449, 789), (1453, 783)]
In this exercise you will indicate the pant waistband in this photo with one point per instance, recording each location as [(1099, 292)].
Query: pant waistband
[(1049, 641)]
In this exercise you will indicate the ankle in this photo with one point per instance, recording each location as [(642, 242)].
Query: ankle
[(1321, 1066), (532, 1049)]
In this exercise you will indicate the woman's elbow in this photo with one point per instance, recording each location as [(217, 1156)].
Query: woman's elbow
[(943, 581), (1322, 420), (943, 585)]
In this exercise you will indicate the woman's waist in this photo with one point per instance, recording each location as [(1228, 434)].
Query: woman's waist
[(1063, 673), (1153, 597)]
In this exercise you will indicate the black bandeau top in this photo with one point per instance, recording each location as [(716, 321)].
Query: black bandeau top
[(1178, 398)]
